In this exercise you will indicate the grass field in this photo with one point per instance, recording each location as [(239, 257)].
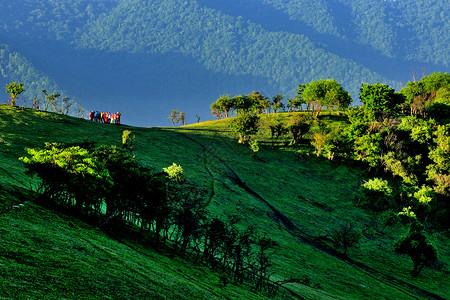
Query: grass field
[(287, 193)]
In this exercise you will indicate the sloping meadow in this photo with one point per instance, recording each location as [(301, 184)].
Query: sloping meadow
[(286, 193)]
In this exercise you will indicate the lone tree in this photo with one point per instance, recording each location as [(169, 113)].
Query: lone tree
[(14, 89)]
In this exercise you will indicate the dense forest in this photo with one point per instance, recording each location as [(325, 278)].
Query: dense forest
[(214, 47)]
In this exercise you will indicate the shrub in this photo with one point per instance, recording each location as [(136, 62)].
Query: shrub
[(127, 139), (345, 236), (376, 194), (254, 145), (175, 172)]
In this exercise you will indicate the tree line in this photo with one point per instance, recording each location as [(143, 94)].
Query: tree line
[(51, 102), (106, 184)]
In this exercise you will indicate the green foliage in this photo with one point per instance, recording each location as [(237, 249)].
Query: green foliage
[(254, 146), (417, 247), (277, 130), (428, 95), (439, 170), (127, 140), (14, 89), (224, 104), (319, 142), (299, 126), (345, 236), (245, 124), (380, 98), (376, 194), (175, 172), (69, 176), (320, 93), (276, 102), (327, 188), (368, 148)]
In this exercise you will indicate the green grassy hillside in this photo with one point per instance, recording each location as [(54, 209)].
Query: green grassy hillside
[(294, 198)]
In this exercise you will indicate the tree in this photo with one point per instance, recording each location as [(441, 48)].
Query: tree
[(224, 104), (380, 98), (299, 100), (264, 252), (260, 102), (417, 247), (14, 89), (245, 124), (182, 118), (276, 131), (243, 104), (66, 104), (276, 102), (345, 236), (216, 110), (50, 100), (421, 95), (439, 170), (175, 173), (174, 116), (376, 194), (329, 93), (70, 175), (299, 125)]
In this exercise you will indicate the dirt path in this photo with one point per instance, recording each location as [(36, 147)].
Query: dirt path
[(402, 286)]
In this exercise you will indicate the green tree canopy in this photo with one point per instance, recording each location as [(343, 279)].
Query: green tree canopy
[(14, 89), (380, 98), (320, 93)]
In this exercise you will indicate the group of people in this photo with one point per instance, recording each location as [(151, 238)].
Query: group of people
[(104, 117)]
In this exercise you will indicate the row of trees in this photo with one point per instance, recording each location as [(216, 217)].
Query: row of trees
[(51, 102), (106, 183), (315, 95), (177, 117)]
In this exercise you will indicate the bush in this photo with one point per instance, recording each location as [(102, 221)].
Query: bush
[(175, 172), (376, 194), (345, 236)]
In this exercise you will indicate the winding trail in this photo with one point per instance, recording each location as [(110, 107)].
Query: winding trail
[(407, 288)]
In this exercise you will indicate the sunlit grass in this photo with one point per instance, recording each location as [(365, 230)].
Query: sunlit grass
[(42, 251)]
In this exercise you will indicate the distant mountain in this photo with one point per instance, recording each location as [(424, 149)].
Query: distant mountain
[(146, 58)]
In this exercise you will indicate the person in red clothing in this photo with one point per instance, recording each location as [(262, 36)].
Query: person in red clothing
[(118, 115)]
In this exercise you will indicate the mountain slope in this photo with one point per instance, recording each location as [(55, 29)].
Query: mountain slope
[(147, 58), (293, 199)]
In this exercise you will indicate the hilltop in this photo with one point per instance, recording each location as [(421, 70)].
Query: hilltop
[(294, 198)]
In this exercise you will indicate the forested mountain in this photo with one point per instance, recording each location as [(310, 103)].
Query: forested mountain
[(146, 58)]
